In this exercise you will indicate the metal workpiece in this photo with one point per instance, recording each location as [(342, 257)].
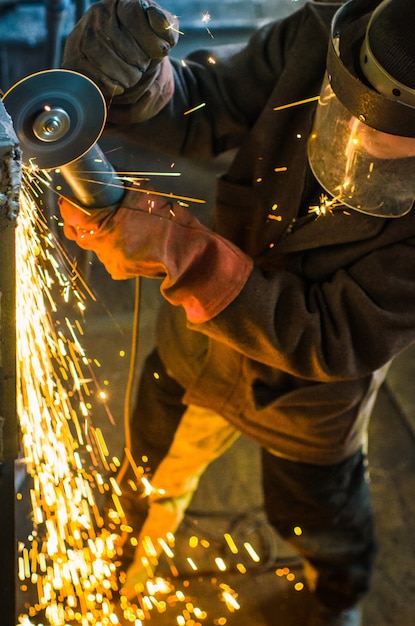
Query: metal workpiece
[(10, 181), (11, 166)]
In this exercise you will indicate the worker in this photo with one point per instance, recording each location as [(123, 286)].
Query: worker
[(282, 317)]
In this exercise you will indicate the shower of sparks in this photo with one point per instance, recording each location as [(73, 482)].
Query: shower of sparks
[(132, 176), (173, 28), (325, 207), (171, 196), (132, 182), (69, 560), (69, 557), (275, 216), (206, 19), (230, 598)]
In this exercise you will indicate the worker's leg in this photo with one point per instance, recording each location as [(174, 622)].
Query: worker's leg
[(179, 442), (325, 512), (200, 438), (154, 421)]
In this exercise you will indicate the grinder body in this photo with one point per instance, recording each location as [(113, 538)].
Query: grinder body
[(58, 116), (93, 180)]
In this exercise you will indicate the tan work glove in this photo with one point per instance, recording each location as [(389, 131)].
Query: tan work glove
[(154, 237), (122, 45)]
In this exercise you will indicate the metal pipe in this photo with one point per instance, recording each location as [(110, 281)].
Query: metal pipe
[(10, 180)]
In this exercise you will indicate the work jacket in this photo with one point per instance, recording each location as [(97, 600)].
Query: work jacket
[(295, 361)]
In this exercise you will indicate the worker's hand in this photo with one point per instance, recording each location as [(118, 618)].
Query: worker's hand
[(155, 237), (122, 45)]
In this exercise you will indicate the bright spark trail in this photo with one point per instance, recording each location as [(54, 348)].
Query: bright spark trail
[(69, 560)]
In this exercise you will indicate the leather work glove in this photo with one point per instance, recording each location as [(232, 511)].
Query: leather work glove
[(122, 45), (155, 237)]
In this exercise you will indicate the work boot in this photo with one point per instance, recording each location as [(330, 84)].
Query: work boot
[(322, 615)]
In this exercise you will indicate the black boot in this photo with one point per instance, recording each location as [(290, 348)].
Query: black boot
[(321, 615)]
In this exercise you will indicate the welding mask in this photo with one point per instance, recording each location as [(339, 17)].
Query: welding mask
[(362, 146)]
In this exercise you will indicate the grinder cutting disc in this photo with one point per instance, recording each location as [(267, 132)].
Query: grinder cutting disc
[(58, 115)]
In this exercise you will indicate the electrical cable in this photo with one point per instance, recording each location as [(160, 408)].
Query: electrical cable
[(131, 379)]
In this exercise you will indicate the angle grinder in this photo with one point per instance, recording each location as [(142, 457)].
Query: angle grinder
[(58, 116)]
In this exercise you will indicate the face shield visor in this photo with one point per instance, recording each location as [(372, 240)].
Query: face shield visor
[(362, 146), (361, 167)]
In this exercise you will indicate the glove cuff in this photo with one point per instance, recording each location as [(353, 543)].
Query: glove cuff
[(211, 282)]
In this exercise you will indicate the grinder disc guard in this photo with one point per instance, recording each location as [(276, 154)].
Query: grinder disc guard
[(58, 115)]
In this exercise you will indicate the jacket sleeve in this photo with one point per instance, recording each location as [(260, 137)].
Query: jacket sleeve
[(340, 328)]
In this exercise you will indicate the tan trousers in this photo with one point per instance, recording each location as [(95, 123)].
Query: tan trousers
[(201, 437)]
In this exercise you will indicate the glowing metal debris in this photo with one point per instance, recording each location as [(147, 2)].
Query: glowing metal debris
[(196, 108), (297, 103), (325, 207)]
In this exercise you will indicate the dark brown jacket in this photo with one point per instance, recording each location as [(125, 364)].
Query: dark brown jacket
[(296, 360)]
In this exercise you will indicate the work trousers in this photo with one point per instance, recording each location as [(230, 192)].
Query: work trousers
[(324, 512)]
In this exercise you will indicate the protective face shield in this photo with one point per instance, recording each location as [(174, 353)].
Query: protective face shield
[(362, 147)]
